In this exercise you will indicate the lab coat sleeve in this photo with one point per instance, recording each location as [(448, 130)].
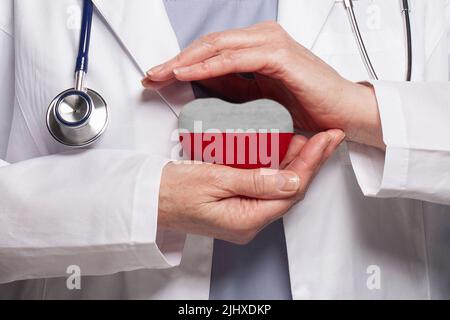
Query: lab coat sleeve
[(415, 121), (95, 209), (6, 75)]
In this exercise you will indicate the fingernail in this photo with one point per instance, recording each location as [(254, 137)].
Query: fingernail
[(326, 141), (337, 135), (155, 70), (342, 137), (150, 85), (288, 182), (146, 82), (178, 71)]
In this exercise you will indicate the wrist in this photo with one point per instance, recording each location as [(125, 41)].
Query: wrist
[(165, 202), (363, 124)]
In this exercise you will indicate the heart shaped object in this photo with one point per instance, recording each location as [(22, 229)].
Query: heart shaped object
[(250, 135)]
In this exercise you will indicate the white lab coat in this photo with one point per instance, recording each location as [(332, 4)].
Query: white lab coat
[(373, 224)]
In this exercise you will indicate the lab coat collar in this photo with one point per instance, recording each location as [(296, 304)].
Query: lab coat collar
[(142, 28), (304, 19), (144, 32)]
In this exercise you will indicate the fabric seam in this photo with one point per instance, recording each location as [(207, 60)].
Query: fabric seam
[(28, 125), (134, 206), (6, 32), (427, 257)]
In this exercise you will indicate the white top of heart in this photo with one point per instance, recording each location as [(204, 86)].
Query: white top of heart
[(206, 114)]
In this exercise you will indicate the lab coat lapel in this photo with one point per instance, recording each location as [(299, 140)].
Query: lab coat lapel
[(304, 19), (143, 29)]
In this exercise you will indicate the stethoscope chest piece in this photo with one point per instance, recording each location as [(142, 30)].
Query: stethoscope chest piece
[(77, 118)]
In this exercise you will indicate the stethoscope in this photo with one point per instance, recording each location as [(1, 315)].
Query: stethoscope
[(348, 4), (79, 116)]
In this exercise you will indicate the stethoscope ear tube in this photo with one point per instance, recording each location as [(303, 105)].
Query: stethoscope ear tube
[(359, 40), (85, 37), (408, 32), (361, 45)]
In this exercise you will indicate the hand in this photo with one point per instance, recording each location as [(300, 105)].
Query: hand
[(316, 95), (234, 204)]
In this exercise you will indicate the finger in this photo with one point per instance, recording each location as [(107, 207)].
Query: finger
[(315, 152), (156, 85), (254, 215), (294, 149), (207, 47), (232, 87), (338, 136), (310, 158), (227, 62), (261, 183), (239, 220)]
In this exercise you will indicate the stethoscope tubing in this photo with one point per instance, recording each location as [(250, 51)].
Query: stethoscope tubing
[(409, 50), (359, 40), (348, 4)]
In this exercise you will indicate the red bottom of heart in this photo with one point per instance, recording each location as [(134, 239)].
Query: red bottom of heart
[(237, 150)]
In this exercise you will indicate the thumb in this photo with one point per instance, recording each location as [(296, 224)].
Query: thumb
[(312, 156), (264, 184)]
